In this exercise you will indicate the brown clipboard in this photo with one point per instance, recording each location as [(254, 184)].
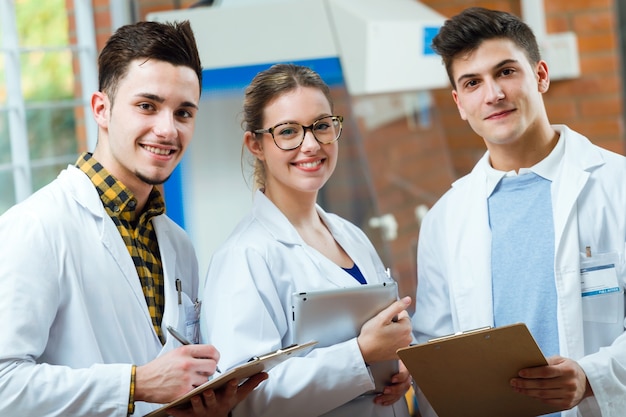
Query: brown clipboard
[(468, 374), (241, 372)]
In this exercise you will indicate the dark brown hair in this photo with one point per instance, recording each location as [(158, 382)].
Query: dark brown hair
[(169, 42), (466, 31)]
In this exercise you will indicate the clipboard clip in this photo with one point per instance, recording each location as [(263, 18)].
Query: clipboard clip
[(281, 350), (449, 336)]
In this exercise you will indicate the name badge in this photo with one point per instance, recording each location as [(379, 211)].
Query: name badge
[(599, 279)]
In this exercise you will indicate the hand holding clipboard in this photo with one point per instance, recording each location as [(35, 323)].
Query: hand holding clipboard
[(469, 374), (241, 372)]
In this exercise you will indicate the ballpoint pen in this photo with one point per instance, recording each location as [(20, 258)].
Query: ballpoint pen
[(178, 336), (183, 340)]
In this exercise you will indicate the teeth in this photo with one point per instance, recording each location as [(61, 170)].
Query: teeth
[(310, 164), (157, 151)]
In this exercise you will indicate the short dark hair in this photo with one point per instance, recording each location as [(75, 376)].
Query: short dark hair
[(169, 42), (466, 31)]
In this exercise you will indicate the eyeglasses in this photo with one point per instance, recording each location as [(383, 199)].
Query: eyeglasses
[(290, 135)]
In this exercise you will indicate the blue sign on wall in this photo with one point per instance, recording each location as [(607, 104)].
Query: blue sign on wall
[(429, 33)]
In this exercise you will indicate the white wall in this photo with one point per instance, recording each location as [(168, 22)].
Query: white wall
[(215, 191)]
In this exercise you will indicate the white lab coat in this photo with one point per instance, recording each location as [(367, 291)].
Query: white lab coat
[(74, 317), (454, 276), (247, 304)]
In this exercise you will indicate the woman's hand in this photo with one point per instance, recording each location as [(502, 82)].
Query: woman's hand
[(400, 384), (386, 332)]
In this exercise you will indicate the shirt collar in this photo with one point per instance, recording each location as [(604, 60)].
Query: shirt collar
[(546, 168), (115, 196)]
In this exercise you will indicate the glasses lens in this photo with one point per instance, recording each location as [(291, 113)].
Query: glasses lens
[(288, 135), (327, 129)]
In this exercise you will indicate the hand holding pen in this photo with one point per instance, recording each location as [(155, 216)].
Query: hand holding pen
[(183, 340)]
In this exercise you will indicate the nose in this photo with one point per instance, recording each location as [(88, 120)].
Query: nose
[(309, 143), (165, 126), (494, 92)]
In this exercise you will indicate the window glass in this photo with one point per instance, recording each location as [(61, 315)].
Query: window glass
[(42, 23), (7, 189), (3, 83), (5, 145), (47, 85), (44, 174), (51, 132), (7, 196)]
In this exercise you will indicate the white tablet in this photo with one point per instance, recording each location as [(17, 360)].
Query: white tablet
[(336, 315)]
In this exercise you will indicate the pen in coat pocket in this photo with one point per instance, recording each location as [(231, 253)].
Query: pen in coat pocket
[(183, 340)]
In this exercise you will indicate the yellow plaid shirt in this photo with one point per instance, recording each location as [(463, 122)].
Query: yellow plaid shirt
[(136, 230)]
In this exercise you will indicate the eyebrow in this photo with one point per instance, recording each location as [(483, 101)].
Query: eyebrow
[(160, 99), (495, 67), (296, 122)]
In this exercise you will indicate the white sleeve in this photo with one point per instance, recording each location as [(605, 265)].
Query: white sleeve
[(32, 300), (606, 372)]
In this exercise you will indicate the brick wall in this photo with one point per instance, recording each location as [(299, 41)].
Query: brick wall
[(591, 104), (412, 165), (396, 166)]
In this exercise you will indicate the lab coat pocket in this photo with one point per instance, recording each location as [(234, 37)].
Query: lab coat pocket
[(189, 318), (602, 300), (603, 317)]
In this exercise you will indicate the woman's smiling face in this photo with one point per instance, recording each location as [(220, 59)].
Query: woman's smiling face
[(308, 167)]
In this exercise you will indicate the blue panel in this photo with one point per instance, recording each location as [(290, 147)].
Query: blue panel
[(429, 33), (237, 78), (173, 194)]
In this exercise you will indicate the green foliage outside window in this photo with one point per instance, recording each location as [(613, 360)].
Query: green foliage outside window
[(47, 76)]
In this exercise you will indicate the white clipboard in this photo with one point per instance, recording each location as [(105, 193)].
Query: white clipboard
[(241, 372)]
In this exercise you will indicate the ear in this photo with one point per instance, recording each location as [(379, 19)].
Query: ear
[(455, 96), (100, 106), (543, 77), (254, 145)]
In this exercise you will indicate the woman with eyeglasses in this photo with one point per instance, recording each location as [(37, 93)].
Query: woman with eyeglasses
[(289, 244)]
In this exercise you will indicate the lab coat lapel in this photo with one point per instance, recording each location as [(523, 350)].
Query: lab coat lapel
[(578, 161), (283, 231), (274, 221), (84, 192), (470, 277), (356, 250), (168, 259)]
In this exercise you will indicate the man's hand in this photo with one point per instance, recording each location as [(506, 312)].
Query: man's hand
[(562, 383), (175, 373), (400, 384), (220, 402)]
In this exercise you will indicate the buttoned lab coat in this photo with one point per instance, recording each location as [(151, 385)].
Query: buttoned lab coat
[(73, 314), (247, 308), (589, 209)]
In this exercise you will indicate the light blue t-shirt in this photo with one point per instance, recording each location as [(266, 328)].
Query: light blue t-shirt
[(522, 257)]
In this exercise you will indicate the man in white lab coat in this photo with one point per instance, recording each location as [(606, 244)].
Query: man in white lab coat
[(535, 233), (92, 269)]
